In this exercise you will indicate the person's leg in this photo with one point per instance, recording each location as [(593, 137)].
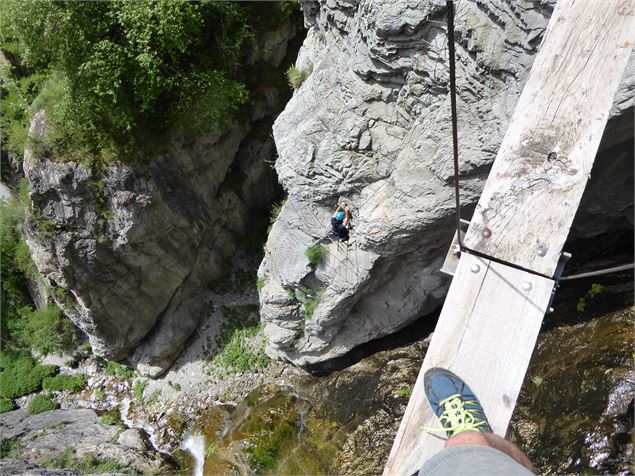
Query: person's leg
[(464, 421), (491, 440), (334, 227)]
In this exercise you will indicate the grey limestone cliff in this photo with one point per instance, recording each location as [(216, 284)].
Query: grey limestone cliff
[(371, 125), (131, 250)]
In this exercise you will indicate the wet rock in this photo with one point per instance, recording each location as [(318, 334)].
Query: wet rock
[(574, 414), (340, 424)]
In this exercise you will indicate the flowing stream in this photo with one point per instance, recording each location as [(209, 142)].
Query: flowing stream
[(195, 444)]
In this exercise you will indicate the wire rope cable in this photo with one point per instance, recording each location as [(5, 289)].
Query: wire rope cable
[(616, 269), (455, 135)]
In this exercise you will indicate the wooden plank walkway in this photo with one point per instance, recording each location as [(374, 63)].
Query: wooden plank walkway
[(488, 327)]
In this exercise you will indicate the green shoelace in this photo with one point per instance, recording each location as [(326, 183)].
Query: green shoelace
[(456, 418)]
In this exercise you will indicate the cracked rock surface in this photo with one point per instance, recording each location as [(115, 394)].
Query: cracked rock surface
[(371, 126), (131, 250)]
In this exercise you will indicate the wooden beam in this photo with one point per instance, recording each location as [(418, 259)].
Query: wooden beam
[(530, 197), (486, 334), (488, 327)]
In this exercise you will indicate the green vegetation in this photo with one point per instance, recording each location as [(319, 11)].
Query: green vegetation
[(64, 382), (116, 78), (239, 355), (264, 447), (44, 330), (237, 349), (138, 388), (41, 404), (118, 370), (154, 398), (296, 76), (175, 385), (596, 290), (6, 405), (211, 449), (21, 375), (260, 283), (9, 447), (405, 392), (275, 212), (88, 464), (99, 393), (315, 254), (107, 420), (537, 379), (312, 303)]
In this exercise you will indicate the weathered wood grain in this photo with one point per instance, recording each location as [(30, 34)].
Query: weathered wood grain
[(530, 198), (486, 334)]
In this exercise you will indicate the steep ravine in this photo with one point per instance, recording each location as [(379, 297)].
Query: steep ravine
[(148, 259), (132, 251)]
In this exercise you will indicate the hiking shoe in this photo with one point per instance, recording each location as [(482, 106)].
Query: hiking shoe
[(454, 403)]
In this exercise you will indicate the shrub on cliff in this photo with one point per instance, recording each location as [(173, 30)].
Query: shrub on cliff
[(124, 74), (21, 375), (41, 404), (296, 76), (63, 382), (315, 254)]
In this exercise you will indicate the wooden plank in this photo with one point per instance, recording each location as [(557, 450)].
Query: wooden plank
[(529, 200), (486, 334), (489, 324)]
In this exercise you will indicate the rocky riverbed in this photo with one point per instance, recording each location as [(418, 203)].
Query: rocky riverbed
[(574, 414)]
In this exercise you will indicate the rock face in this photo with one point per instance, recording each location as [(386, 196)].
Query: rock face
[(43, 437), (370, 125), (133, 249)]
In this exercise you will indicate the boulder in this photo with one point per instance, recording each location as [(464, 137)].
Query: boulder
[(75, 435)]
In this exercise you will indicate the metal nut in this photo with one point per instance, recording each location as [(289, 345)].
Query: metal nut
[(526, 286), (475, 268)]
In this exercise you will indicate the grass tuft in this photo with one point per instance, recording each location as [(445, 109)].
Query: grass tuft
[(312, 303), (405, 392), (41, 404), (296, 76), (63, 382), (315, 254)]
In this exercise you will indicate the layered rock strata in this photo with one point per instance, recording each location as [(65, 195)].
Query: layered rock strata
[(371, 126)]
